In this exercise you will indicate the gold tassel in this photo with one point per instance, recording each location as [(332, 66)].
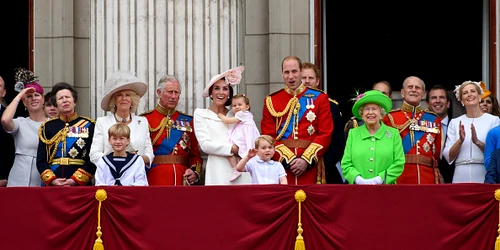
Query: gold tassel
[(100, 195), (497, 243), (300, 196)]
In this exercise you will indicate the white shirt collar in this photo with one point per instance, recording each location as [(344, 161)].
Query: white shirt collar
[(257, 158)]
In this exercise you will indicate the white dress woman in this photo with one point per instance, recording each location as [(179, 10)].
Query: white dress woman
[(469, 164), (212, 133), (462, 147)]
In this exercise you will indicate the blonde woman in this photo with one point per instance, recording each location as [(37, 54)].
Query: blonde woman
[(466, 135), (123, 93)]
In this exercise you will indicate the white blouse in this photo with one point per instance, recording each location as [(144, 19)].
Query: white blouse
[(140, 139)]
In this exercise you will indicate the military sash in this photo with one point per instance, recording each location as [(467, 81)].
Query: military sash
[(407, 142), (74, 142), (306, 101)]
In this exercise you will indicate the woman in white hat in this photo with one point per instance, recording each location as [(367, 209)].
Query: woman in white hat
[(212, 133), (123, 93)]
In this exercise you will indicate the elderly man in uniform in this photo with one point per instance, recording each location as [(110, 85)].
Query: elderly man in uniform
[(300, 120), (420, 131), (177, 155)]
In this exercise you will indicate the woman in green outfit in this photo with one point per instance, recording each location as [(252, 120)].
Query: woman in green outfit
[(374, 152)]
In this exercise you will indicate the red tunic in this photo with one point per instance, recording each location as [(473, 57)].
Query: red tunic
[(421, 129), (306, 135), (175, 146)]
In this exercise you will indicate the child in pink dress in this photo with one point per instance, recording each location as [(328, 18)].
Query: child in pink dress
[(244, 133)]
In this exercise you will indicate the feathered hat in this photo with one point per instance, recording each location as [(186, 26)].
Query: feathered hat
[(25, 79)]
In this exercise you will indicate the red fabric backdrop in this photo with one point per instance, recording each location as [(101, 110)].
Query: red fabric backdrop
[(452, 216)]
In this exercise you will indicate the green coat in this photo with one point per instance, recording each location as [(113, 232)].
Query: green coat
[(371, 156)]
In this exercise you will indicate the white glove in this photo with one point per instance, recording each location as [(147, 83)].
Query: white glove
[(375, 181), (360, 180)]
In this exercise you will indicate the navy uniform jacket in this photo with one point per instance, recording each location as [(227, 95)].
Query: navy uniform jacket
[(336, 149), (63, 150)]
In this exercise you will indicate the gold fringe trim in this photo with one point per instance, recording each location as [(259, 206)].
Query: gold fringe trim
[(497, 242), (300, 196), (100, 195)]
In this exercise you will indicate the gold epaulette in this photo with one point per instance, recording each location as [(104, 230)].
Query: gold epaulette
[(331, 100), (147, 112), (88, 118), (320, 90), (47, 121), (394, 110), (352, 121), (275, 92), (184, 113), (430, 112)]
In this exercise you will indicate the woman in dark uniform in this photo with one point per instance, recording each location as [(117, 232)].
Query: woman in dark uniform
[(63, 151)]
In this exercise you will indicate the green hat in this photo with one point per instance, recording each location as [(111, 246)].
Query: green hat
[(372, 96)]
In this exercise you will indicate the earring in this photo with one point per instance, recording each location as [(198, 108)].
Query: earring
[(210, 96), (131, 106)]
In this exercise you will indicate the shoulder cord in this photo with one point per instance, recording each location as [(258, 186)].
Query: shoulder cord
[(51, 145), (293, 103), (165, 123)]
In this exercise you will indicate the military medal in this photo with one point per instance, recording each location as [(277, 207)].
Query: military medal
[(73, 152), (80, 143), (311, 116), (426, 147), (310, 129)]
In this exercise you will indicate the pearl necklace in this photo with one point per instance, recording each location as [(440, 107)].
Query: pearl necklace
[(123, 120)]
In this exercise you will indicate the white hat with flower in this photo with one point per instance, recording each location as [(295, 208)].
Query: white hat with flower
[(232, 76)]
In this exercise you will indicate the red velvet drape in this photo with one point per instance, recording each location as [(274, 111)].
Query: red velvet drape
[(453, 216)]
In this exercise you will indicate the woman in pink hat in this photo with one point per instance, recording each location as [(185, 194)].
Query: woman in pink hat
[(123, 91), (25, 129), (212, 133)]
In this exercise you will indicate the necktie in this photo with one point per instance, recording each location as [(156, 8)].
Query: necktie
[(444, 129)]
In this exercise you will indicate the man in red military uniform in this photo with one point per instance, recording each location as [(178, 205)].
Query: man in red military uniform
[(420, 131), (300, 120), (177, 155)]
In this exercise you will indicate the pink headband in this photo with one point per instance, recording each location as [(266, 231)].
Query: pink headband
[(35, 85)]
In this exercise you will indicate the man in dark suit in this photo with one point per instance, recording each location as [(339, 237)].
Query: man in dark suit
[(438, 101), (6, 144)]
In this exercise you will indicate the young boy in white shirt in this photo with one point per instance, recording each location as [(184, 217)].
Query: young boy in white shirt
[(262, 168), (120, 168)]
